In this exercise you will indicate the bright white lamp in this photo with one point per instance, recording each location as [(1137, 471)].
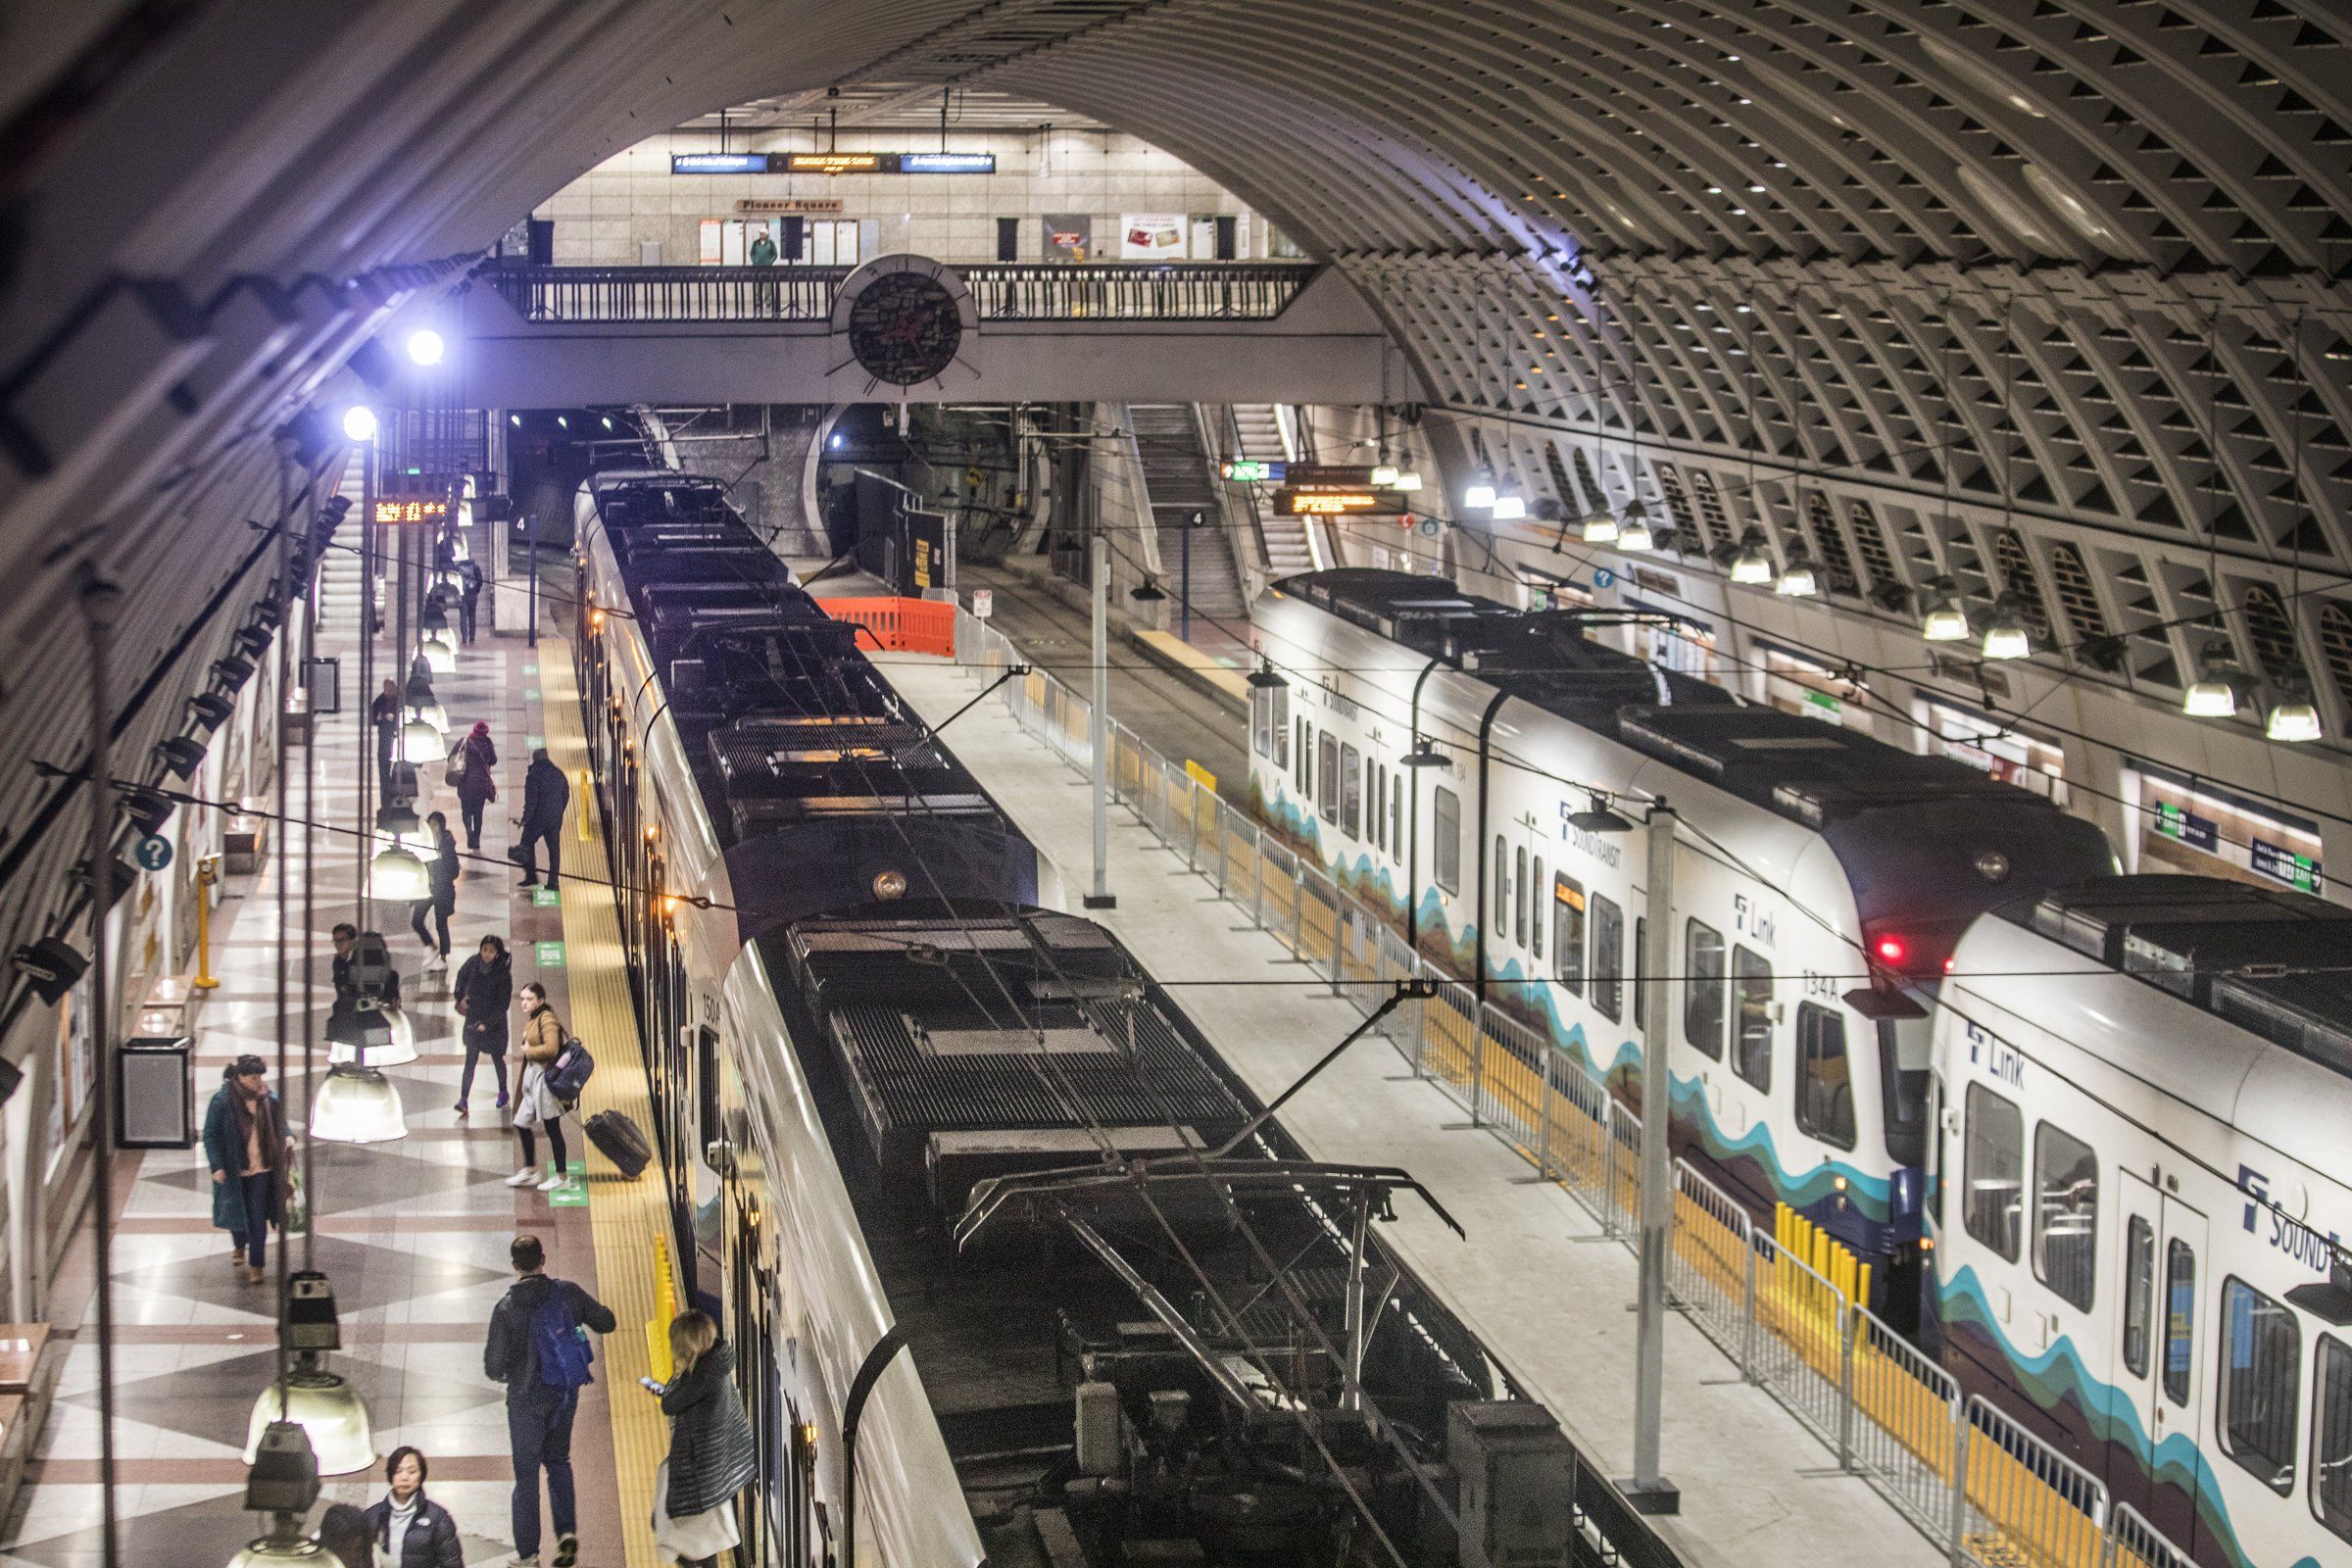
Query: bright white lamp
[(426, 346), (2214, 693), (2006, 635), (1509, 508), (1406, 480), (356, 1105), (1601, 530), (1632, 530), (1479, 496), (2294, 718), (1796, 580), (439, 657), (419, 742), (395, 876), (1752, 565), (359, 422), (1383, 476), (328, 1412)]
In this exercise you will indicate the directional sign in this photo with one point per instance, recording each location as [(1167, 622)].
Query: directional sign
[(154, 852), (549, 954), (1288, 503)]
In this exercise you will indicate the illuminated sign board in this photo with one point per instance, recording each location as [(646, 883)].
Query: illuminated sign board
[(1250, 470), (946, 162), (718, 163), (1334, 475), (1331, 503), (395, 509), (838, 163)]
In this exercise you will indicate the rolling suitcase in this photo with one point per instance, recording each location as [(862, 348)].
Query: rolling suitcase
[(622, 1143)]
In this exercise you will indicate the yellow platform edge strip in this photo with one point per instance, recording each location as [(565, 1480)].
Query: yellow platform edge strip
[(625, 1217)]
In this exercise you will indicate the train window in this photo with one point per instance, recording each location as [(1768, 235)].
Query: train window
[(2066, 1215), (2331, 1436), (1278, 724), (1351, 791), (2262, 1351), (1327, 775), (2179, 1319), (1568, 933), (1608, 958), (1377, 828), (1702, 1009), (1751, 1027), (1446, 857), (2140, 1294), (1535, 929), (1992, 1170), (1502, 888), (706, 1082), (1904, 1088), (1519, 896), (1641, 990), (1262, 720), (1825, 1078), (1395, 815)]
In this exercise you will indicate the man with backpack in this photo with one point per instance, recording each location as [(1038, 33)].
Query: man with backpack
[(539, 1349)]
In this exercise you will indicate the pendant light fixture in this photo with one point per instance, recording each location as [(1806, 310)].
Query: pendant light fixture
[(397, 876), (419, 742), (1601, 529), (1383, 476), (1509, 508), (2294, 718), (372, 1033), (2214, 693), (1481, 496), (438, 654), (2006, 635), (332, 1418), (1632, 529), (1942, 617), (1753, 563), (1797, 579), (283, 1484), (358, 1105), (1406, 480)]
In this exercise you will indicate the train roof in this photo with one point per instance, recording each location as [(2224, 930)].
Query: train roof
[(2267, 959), (1540, 656)]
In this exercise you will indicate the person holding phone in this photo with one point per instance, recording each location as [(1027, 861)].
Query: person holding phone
[(711, 1452)]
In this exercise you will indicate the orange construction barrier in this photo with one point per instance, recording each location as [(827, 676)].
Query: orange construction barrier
[(899, 625)]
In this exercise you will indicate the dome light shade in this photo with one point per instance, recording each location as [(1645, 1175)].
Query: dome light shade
[(1796, 580), (1479, 496), (2294, 719), (1383, 476), (430, 711), (426, 346), (1508, 508), (271, 1552), (439, 657), (1406, 480), (356, 1105), (1601, 530), (1635, 534), (2006, 635), (383, 1033), (329, 1414), (419, 742), (359, 422), (1752, 564), (397, 876)]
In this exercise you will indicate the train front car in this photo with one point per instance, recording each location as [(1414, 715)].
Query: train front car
[(2142, 1195), (1470, 772)]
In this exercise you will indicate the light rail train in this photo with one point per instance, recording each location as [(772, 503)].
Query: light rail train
[(1451, 763)]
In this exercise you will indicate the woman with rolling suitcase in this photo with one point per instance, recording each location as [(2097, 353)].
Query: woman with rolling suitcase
[(536, 1105)]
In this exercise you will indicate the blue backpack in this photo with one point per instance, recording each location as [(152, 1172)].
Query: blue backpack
[(564, 1354), (568, 1073)]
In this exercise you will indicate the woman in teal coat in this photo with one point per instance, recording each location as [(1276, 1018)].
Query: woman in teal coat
[(246, 1144)]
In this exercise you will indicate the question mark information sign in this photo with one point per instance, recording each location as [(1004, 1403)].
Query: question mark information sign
[(154, 852)]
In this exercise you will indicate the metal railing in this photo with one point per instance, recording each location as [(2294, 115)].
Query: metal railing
[(1988, 1491), (1001, 291)]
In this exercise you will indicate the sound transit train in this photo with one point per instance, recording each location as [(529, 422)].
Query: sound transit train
[(2141, 1184), (1439, 755), (940, 1158)]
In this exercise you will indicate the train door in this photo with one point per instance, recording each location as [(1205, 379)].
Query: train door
[(2156, 1362), (751, 1288)]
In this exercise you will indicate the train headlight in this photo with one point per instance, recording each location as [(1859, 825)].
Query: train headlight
[(1993, 866), (890, 885)]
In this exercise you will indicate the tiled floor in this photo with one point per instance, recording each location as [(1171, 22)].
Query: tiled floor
[(412, 1234)]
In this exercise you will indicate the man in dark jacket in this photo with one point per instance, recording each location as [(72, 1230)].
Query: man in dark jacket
[(384, 713), (545, 794), (538, 1414), (347, 988), (469, 594)]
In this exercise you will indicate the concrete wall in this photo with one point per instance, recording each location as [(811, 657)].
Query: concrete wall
[(602, 218)]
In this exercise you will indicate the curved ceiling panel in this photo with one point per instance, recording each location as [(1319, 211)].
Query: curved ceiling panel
[(2077, 264)]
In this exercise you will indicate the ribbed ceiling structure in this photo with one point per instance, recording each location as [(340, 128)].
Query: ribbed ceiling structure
[(2047, 295)]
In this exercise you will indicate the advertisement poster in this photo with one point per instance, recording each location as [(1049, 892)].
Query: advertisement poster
[(1070, 237), (1151, 237)]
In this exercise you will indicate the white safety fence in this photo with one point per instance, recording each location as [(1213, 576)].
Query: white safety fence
[(1988, 1491)]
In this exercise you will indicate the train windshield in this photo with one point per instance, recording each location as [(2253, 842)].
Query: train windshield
[(1903, 1045)]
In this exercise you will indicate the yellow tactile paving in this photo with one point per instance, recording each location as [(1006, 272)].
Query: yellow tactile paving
[(626, 1218)]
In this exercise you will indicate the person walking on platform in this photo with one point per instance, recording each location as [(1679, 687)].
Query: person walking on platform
[(384, 713), (471, 765), (484, 991), (408, 1529), (469, 594), (536, 1107), (545, 791), (247, 1145), (538, 1347), (443, 900), (711, 1452)]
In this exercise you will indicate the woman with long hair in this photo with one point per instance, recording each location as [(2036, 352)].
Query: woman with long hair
[(484, 990), (246, 1144), (470, 762), (711, 1452), (536, 1107)]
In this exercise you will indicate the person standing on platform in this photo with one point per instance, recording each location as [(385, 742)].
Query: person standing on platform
[(443, 900), (763, 253), (247, 1145), (384, 713), (485, 990), (471, 763), (545, 791), (536, 1107), (711, 1451), (343, 1538), (538, 1347), (469, 593), (409, 1529)]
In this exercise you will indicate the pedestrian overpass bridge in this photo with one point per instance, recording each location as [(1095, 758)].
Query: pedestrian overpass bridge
[(1097, 331)]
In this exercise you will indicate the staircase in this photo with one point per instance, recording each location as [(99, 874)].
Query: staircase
[(1289, 548), (1178, 482)]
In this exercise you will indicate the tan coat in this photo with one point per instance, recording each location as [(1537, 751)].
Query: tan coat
[(542, 1037)]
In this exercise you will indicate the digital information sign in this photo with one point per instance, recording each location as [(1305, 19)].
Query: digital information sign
[(834, 163)]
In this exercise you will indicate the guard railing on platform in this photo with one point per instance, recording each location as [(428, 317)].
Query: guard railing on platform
[(1001, 291), (1988, 1491)]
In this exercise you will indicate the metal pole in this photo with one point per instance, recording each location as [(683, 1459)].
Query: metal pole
[(1351, 1386), (99, 600), (532, 591), (1099, 725), (1184, 596), (1648, 1491), (370, 544)]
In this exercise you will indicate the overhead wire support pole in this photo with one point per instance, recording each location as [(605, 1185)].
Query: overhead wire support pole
[(1407, 990), (1647, 1490), (1098, 722), (99, 600)]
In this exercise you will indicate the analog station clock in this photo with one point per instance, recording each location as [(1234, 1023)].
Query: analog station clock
[(905, 328)]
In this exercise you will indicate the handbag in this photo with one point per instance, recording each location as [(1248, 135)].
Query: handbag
[(458, 760), (297, 1218)]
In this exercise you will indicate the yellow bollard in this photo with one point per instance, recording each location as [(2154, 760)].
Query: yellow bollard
[(206, 874), (579, 799)]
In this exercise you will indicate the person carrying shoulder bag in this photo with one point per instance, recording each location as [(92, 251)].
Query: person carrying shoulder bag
[(712, 1456)]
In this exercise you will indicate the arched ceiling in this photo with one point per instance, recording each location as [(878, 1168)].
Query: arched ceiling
[(2045, 293)]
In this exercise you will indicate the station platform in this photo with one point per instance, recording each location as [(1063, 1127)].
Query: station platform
[(1554, 1309), (412, 1234)]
